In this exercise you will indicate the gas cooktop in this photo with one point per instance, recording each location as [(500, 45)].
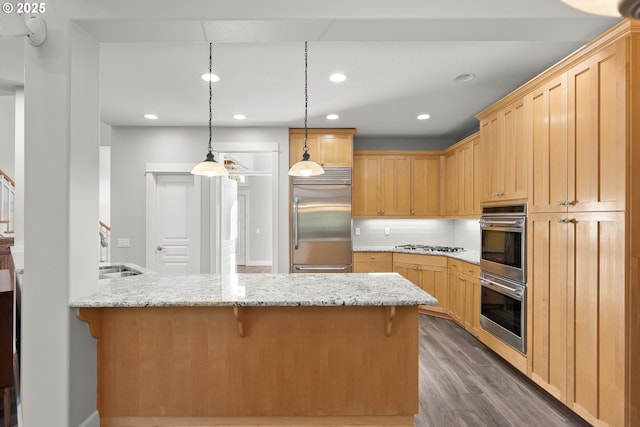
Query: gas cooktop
[(428, 248)]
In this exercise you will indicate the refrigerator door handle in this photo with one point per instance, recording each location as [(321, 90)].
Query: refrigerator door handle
[(296, 201)]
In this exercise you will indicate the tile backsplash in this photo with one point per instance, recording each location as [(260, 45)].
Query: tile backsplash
[(442, 232)]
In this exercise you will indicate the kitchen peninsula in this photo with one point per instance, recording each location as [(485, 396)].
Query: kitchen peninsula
[(256, 349)]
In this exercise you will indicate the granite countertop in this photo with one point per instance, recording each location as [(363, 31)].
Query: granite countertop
[(468, 255), (349, 289)]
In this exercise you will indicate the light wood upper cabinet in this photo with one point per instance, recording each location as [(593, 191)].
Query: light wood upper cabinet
[(396, 184), (366, 183), (547, 112), (331, 148), (596, 132), (504, 154), (577, 138), (478, 175), (425, 185), (462, 178)]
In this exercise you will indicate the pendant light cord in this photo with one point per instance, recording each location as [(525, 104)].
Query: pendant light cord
[(210, 96), (306, 98)]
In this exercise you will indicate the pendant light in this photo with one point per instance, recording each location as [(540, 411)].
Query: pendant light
[(306, 167), (209, 166), (626, 8)]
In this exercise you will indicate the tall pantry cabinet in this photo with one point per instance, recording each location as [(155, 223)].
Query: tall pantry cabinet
[(580, 126)]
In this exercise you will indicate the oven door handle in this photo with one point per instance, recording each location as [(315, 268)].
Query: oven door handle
[(516, 294)]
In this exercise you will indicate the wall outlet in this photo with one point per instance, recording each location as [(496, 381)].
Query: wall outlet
[(357, 231), (387, 231), (124, 243)]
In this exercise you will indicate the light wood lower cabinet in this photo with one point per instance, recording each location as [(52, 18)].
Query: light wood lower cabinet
[(464, 294), (427, 271), (372, 262), (577, 311), (191, 366)]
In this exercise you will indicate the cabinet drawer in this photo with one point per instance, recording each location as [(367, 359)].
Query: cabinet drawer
[(369, 262), (433, 260), (463, 267)]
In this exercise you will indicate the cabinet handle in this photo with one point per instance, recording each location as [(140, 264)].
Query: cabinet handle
[(413, 212), (567, 203), (373, 257), (499, 194), (567, 221)]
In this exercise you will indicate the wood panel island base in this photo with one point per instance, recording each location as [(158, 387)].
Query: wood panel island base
[(338, 363)]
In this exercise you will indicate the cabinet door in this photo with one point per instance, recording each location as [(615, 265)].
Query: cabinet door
[(478, 175), (455, 296), (425, 186), (296, 147), (464, 155), (366, 183), (511, 153), (331, 148), (547, 289), (434, 281), (475, 308), (597, 133), (597, 310), (489, 141), (451, 184), (505, 154), (468, 309), (336, 150), (408, 271), (547, 111), (396, 186)]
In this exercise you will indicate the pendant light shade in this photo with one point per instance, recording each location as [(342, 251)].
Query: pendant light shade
[(626, 8), (596, 7), (209, 166), (306, 166)]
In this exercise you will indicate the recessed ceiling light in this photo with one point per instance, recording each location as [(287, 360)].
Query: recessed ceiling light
[(465, 77), (332, 117), (150, 116), (206, 77), (337, 77), (423, 116), (239, 116)]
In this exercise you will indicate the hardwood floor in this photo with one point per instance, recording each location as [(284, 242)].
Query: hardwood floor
[(253, 269), (463, 383)]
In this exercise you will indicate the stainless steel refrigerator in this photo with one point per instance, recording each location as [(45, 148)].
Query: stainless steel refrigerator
[(321, 222)]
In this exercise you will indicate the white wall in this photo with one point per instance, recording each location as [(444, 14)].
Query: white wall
[(7, 134), (58, 375), (133, 147)]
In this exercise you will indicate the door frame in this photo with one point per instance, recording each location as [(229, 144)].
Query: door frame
[(244, 194)]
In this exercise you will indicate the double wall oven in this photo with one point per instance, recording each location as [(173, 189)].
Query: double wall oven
[(504, 271)]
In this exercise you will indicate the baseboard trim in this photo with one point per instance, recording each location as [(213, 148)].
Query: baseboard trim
[(264, 263), (92, 421)]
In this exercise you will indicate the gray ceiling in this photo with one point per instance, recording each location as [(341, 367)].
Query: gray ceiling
[(400, 57)]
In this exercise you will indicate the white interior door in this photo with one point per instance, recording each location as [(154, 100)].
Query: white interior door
[(173, 210)]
